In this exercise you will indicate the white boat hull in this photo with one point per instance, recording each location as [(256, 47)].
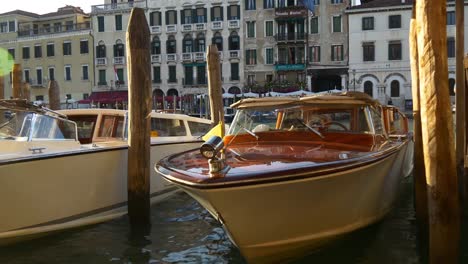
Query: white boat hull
[(268, 221), (46, 193)]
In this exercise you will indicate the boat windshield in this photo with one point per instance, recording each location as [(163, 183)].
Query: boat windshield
[(339, 119), (20, 125)]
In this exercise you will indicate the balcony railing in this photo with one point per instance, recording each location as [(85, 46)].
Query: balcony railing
[(194, 82), (171, 29), (293, 36), (155, 58), (97, 9), (52, 29), (186, 56), (119, 60), (101, 61), (215, 25), (171, 57), (234, 54), (233, 24), (199, 56), (200, 26), (186, 27), (155, 29)]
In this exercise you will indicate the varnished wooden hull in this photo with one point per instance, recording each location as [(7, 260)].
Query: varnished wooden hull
[(274, 221)]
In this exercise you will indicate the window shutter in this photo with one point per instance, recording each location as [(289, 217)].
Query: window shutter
[(182, 17), (222, 12), (115, 50), (238, 12), (160, 18), (167, 17), (206, 15), (151, 19), (194, 15)]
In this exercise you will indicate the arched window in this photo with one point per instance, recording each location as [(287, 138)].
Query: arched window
[(218, 40), (395, 88), (156, 46), (369, 88), (451, 86), (158, 93), (234, 41), (187, 44), (201, 43), (172, 92), (101, 50), (171, 45), (234, 90), (119, 49)]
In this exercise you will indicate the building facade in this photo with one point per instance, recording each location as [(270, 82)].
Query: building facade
[(54, 46)]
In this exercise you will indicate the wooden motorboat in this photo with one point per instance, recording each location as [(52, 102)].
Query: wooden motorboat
[(295, 173), (65, 169)]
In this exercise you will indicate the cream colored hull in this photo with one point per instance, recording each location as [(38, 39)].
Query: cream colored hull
[(276, 221), (87, 186)]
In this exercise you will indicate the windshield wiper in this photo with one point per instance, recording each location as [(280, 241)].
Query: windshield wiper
[(310, 128)]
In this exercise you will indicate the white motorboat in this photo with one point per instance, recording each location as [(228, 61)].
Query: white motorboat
[(68, 168), (295, 173)]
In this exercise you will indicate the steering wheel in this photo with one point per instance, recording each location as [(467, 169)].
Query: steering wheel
[(331, 123)]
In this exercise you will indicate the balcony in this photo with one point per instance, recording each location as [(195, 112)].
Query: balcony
[(101, 61), (291, 37), (199, 56), (186, 27), (155, 58), (186, 57), (171, 28), (107, 8), (171, 57), (52, 29), (289, 12), (216, 25), (233, 24), (200, 27), (194, 82), (155, 29), (234, 54), (119, 60)]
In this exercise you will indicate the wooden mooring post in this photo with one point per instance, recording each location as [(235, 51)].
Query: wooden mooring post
[(2, 87), (437, 132), (54, 95), (214, 87), (16, 81), (139, 95), (26, 91)]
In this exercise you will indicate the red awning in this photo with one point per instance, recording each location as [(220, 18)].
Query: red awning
[(106, 97)]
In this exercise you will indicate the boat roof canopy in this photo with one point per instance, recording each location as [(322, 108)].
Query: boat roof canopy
[(349, 98)]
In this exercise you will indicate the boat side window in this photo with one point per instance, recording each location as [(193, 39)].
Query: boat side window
[(377, 121), (165, 127), (397, 123), (85, 126), (198, 129), (111, 126), (46, 127)]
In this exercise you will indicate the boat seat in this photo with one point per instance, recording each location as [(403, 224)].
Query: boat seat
[(261, 128)]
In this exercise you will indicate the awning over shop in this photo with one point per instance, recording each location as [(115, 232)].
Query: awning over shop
[(106, 97)]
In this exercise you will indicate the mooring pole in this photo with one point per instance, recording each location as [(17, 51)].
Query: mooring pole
[(139, 90), (2, 87), (419, 175), (16, 81), (437, 133), (214, 87), (54, 95), (26, 91)]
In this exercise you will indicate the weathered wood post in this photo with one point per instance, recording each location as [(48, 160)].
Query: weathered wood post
[(16, 81), (419, 175), (465, 189), (2, 87), (139, 98), (437, 133), (54, 95), (214, 86), (26, 91)]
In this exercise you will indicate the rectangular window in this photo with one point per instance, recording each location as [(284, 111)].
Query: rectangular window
[(269, 56), (394, 21), (37, 51), (314, 54), (118, 22), (394, 50), (367, 23), (155, 19), (233, 12), (26, 53), (251, 29), (337, 52), (268, 28), (235, 71), (50, 50), (251, 57), (268, 78), (57, 27), (314, 27), (336, 23), (26, 75), (11, 51), (67, 48), (188, 70), (451, 47), (251, 79), (451, 18), (250, 4), (68, 73), (84, 72), (172, 74), (100, 23), (84, 46), (268, 4), (187, 17), (120, 76), (336, 1), (3, 27), (11, 26), (39, 76), (102, 77), (201, 15), (156, 74), (52, 74), (171, 17), (39, 98), (201, 71), (68, 25), (368, 51), (217, 13)]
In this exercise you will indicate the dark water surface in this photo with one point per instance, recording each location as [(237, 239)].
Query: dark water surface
[(183, 232)]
